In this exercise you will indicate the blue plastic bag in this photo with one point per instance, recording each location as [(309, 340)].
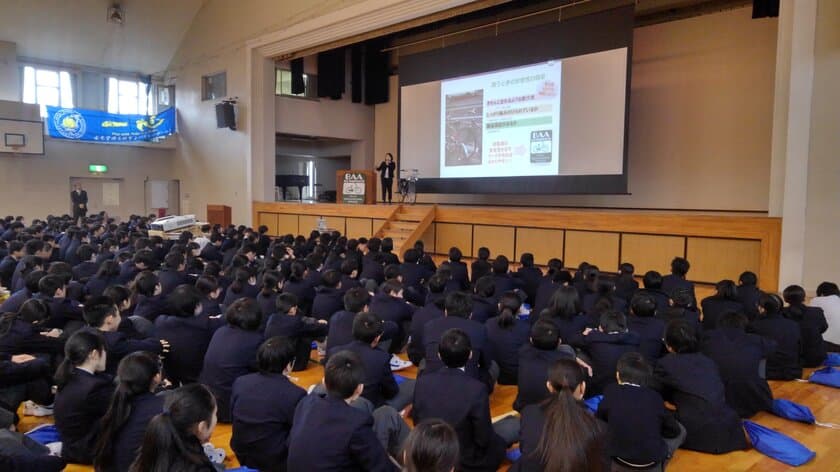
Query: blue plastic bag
[(593, 402), (399, 379), (778, 446), (793, 411), (45, 434), (514, 454), (832, 359), (826, 376)]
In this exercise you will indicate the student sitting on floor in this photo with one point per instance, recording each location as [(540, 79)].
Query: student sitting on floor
[(676, 279), (328, 433), (650, 329), (356, 300), (738, 356), (506, 334), (210, 290), (174, 439), (458, 269), (724, 300), (564, 311), (232, 352), (625, 284), (828, 298), (263, 407), (605, 346), (482, 444), (652, 281), (783, 363), (149, 302), (328, 297), (484, 301), (681, 307), (21, 332), (535, 358), (65, 314), (748, 293), (432, 310), (301, 330), (173, 273), (502, 278), (84, 391), (481, 266), (812, 324), (102, 315), (691, 381), (640, 431), (133, 405), (432, 446), (380, 386), (244, 285), (188, 329), (17, 299), (272, 284), (20, 453), (559, 433), (390, 306), (350, 276)]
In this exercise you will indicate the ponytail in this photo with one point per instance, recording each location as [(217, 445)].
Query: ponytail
[(240, 278), (794, 295), (33, 311), (169, 442), (136, 373), (76, 351), (509, 306), (569, 432)]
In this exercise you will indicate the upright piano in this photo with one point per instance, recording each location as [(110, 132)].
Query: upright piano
[(298, 181)]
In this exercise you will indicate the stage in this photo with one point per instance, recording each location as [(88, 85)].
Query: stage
[(719, 246)]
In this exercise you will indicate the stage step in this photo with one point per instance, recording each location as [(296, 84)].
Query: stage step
[(406, 225)]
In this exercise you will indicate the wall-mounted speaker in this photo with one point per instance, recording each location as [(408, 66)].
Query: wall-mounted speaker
[(225, 115)]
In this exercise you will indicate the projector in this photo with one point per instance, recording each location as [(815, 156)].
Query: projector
[(172, 223)]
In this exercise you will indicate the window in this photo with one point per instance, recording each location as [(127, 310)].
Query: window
[(213, 86), (128, 97), (283, 84), (47, 87)]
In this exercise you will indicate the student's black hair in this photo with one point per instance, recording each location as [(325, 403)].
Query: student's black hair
[(437, 282), (96, 309), (454, 348), (733, 319), (681, 336), (173, 260), (61, 269), (207, 284), (770, 302), (108, 269), (183, 300), (391, 287), (298, 271), (285, 302), (455, 254), (355, 299), (483, 253), (85, 252), (343, 374), (544, 335), (643, 305), (652, 280), (145, 257), (248, 247), (794, 296), (458, 304), (270, 281), (626, 269), (347, 267), (391, 271), (374, 244), (244, 314), (748, 278), (241, 277), (118, 294), (569, 433), (501, 265), (331, 278), (680, 266), (32, 246), (613, 322), (633, 368), (432, 446), (275, 354), (76, 351), (509, 305), (825, 289), (387, 244), (136, 372), (411, 256), (49, 284), (32, 280), (526, 259), (170, 442), (727, 290), (33, 311), (485, 287), (367, 326)]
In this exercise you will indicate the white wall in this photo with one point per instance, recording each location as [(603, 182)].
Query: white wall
[(701, 107), (9, 75)]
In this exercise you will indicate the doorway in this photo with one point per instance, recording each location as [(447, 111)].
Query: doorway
[(163, 197), (104, 194)]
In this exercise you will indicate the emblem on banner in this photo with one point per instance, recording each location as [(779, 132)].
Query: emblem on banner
[(69, 123)]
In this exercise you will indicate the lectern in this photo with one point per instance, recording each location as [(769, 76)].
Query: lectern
[(355, 186), (218, 215)]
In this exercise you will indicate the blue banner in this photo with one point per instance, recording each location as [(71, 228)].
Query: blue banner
[(94, 125)]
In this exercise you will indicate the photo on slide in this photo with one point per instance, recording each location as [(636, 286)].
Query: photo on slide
[(464, 125)]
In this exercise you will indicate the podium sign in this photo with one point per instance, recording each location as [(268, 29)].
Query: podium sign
[(353, 188)]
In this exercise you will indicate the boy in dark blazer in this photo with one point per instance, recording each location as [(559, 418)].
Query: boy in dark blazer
[(543, 350), (329, 434), (458, 269), (748, 293), (468, 412), (676, 279), (640, 431), (328, 297), (301, 330), (432, 310), (652, 281), (642, 322), (390, 306), (484, 299), (263, 408), (605, 346), (784, 363), (172, 274), (380, 385)]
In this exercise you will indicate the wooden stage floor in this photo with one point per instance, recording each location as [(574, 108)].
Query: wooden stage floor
[(823, 401)]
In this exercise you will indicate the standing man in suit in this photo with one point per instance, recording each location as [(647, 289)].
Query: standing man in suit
[(80, 199), (386, 171)]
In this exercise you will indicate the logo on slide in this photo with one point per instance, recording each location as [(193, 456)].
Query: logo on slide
[(541, 146)]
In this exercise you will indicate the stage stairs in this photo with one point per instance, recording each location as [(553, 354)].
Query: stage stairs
[(405, 226)]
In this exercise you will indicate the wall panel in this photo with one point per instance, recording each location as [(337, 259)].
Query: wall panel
[(287, 224), (499, 239), (448, 235), (269, 220), (600, 249), (544, 244), (359, 227), (651, 252), (716, 259)]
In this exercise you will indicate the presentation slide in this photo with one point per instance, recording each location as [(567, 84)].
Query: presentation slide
[(502, 124)]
